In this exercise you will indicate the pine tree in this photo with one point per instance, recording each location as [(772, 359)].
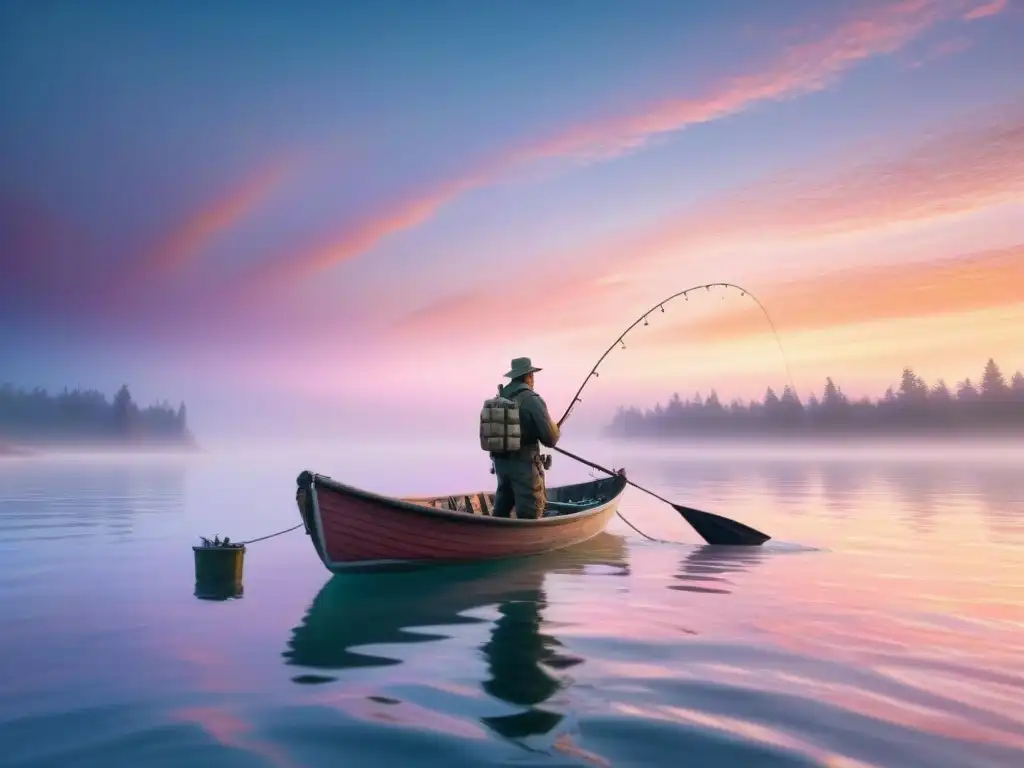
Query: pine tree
[(713, 403), (993, 385), (940, 393), (124, 410), (832, 397), (912, 388), (965, 391)]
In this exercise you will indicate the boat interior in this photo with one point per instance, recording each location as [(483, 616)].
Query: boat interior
[(562, 500)]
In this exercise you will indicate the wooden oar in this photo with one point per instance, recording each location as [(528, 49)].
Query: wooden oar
[(714, 529)]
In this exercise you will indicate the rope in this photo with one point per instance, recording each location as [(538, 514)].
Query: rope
[(272, 535)]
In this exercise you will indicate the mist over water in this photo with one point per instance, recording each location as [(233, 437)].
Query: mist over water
[(883, 625)]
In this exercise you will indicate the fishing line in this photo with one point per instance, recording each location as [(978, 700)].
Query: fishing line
[(620, 340), (622, 517)]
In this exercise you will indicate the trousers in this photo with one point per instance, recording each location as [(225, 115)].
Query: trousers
[(520, 487)]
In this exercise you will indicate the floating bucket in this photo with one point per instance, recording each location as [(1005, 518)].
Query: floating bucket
[(218, 570)]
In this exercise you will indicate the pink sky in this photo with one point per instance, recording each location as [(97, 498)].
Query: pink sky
[(858, 166)]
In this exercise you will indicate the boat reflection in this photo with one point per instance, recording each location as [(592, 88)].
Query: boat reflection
[(705, 569), (523, 661), (518, 658)]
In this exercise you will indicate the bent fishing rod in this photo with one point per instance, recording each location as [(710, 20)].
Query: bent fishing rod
[(620, 340), (714, 529)]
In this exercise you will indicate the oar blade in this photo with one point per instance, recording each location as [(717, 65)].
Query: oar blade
[(718, 530)]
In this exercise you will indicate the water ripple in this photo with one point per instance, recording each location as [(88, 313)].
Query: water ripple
[(892, 635)]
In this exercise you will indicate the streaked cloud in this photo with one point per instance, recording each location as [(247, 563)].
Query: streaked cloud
[(802, 68), (542, 309), (185, 243), (364, 235), (986, 10), (950, 175), (66, 275), (209, 279), (871, 294)]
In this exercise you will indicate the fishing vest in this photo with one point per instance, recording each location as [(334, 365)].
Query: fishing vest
[(500, 426)]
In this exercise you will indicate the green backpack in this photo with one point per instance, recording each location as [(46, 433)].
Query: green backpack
[(500, 427)]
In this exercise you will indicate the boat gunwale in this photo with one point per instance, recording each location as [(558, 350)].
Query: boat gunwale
[(468, 518)]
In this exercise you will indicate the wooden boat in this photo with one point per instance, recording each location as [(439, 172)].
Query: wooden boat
[(355, 529)]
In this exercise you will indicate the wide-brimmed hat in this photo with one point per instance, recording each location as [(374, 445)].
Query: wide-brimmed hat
[(520, 367)]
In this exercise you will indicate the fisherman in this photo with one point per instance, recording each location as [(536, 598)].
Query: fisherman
[(520, 472)]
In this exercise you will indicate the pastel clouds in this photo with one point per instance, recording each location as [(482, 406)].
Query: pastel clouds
[(543, 309), (239, 276), (888, 292), (364, 235), (184, 244), (948, 176), (800, 69), (987, 9)]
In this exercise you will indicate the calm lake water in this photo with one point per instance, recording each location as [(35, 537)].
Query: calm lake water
[(883, 626)]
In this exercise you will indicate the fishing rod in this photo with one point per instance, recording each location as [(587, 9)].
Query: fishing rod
[(714, 529), (661, 305)]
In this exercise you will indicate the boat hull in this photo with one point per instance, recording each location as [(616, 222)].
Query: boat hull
[(354, 529)]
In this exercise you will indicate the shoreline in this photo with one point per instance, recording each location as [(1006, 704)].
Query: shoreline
[(807, 436), (12, 450)]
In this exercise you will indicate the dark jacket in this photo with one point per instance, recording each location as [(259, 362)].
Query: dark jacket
[(538, 426)]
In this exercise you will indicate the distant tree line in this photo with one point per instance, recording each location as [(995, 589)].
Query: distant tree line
[(991, 406), (86, 415)]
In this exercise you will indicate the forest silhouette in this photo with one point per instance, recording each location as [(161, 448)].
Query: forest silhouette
[(36, 416), (992, 406)]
